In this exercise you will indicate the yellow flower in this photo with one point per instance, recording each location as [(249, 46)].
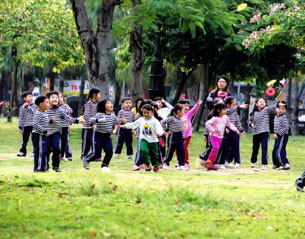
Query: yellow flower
[(271, 82), (242, 7)]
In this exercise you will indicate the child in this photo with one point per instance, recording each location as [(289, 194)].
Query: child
[(149, 129), (104, 120), (126, 115), (40, 133), (65, 127), (281, 129), (187, 120), (175, 139), (89, 110), (25, 122), (53, 141), (216, 127), (259, 121), (233, 138), (300, 183), (221, 91)]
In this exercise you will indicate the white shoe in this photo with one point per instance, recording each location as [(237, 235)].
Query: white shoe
[(64, 159), (106, 170), (264, 167), (253, 165), (237, 165), (165, 166), (129, 157), (228, 165), (183, 168), (116, 156), (85, 164), (221, 166)]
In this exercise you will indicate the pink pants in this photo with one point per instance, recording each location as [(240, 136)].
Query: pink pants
[(216, 143), (187, 141)]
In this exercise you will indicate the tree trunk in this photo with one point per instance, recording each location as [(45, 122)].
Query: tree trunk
[(137, 58), (117, 90), (81, 95), (294, 117), (13, 85), (203, 93), (97, 47), (182, 78)]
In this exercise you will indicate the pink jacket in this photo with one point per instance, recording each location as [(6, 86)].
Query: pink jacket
[(217, 125), (187, 121)]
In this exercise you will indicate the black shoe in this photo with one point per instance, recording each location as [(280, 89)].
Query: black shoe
[(57, 169), (36, 171), (298, 185)]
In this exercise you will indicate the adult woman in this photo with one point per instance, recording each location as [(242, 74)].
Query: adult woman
[(221, 91)]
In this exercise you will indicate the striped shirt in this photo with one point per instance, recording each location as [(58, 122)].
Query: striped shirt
[(173, 124), (234, 118), (41, 122), (105, 127), (281, 125), (26, 116), (129, 115), (59, 115), (261, 119), (90, 111), (67, 110)]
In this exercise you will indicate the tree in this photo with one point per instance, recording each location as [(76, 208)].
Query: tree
[(96, 44)]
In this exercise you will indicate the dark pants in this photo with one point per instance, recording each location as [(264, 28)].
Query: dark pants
[(87, 141), (262, 139), (138, 159), (26, 133), (63, 140), (208, 148), (175, 142), (102, 141), (233, 148), (163, 148), (124, 135), (40, 152), (68, 151), (53, 145), (279, 151), (222, 153)]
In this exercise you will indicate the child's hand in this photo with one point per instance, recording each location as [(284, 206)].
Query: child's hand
[(275, 136), (53, 120), (228, 131), (238, 132), (25, 105), (165, 134), (243, 134), (205, 139), (243, 106), (81, 121), (102, 120), (199, 102), (123, 120), (20, 130), (170, 132), (48, 134), (253, 126), (114, 131), (93, 126)]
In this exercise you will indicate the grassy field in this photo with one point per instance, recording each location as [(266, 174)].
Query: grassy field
[(234, 203)]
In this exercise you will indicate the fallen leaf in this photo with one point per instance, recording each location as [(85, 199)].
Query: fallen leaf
[(110, 183), (92, 186), (115, 187), (92, 234)]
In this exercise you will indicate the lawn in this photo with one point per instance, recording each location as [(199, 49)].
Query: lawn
[(232, 203)]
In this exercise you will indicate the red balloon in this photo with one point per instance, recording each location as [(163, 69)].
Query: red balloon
[(270, 91)]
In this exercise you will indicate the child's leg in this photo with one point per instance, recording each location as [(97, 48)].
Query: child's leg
[(163, 148), (108, 149), (222, 152), (55, 144), (36, 150), (138, 159), (128, 141), (154, 154), (236, 148), (68, 151), (264, 143), (87, 135), (170, 150), (179, 146), (276, 157), (97, 147), (216, 142), (25, 138), (44, 154), (208, 148), (255, 147), (120, 141), (187, 141), (283, 149), (63, 140), (145, 152)]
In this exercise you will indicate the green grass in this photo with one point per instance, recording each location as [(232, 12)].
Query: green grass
[(235, 203)]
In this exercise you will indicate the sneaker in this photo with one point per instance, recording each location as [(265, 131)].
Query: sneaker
[(211, 166), (237, 165), (264, 167), (286, 167), (57, 169), (298, 185), (142, 166), (228, 165), (116, 156), (98, 160), (187, 165), (202, 162), (64, 159), (106, 170), (70, 158), (35, 171), (156, 169), (177, 164), (165, 166), (85, 164), (136, 168), (221, 166), (160, 166), (21, 154), (129, 157), (183, 168), (253, 165), (147, 167), (275, 166)]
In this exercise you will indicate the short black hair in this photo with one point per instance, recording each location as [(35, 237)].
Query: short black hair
[(25, 94), (158, 98), (148, 107), (176, 108), (126, 98), (101, 106), (183, 101), (229, 100), (51, 93), (40, 99), (217, 107), (283, 102)]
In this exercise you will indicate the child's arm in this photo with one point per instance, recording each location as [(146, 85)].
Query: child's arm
[(67, 109), (191, 113), (209, 125), (37, 126), (21, 119), (132, 125), (159, 129), (165, 122), (168, 105), (284, 126), (69, 119), (88, 112), (271, 108), (251, 121), (231, 126)]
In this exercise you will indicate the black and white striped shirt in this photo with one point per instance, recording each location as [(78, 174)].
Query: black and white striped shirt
[(67, 110), (234, 118), (105, 127), (90, 111), (59, 115), (26, 116), (281, 125), (261, 119), (41, 122), (173, 124), (126, 114)]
